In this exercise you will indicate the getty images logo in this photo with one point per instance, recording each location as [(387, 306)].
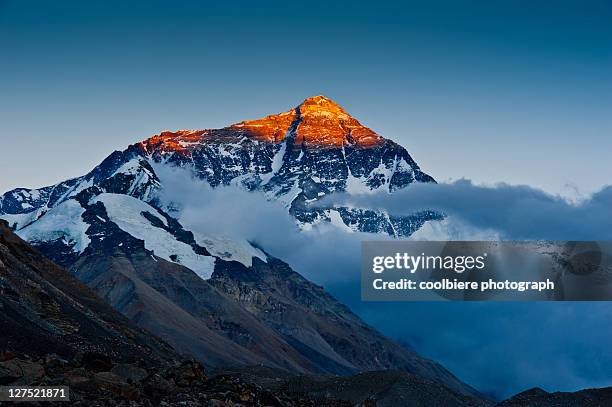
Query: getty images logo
[(412, 264)]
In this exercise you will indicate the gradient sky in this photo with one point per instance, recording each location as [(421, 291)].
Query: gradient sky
[(513, 91)]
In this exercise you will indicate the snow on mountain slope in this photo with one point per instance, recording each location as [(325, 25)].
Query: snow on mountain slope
[(142, 181), (63, 222), (121, 172), (64, 228), (231, 249), (127, 213), (298, 157), (20, 220)]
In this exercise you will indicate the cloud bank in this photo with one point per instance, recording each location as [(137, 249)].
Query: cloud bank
[(323, 254), (514, 212)]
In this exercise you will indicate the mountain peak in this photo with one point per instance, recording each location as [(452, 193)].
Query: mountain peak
[(324, 123), (320, 123), (322, 106), (321, 102), (316, 123)]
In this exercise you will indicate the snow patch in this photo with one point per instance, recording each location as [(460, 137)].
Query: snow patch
[(142, 175), (129, 168), (64, 221), (230, 249), (336, 220), (20, 220), (356, 186), (277, 161), (126, 212)]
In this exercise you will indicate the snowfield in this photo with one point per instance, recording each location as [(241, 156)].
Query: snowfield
[(230, 249), (126, 212), (62, 222)]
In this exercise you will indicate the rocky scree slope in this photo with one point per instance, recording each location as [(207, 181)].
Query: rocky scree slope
[(43, 309)]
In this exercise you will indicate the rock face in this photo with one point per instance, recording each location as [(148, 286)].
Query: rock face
[(317, 325), (44, 310)]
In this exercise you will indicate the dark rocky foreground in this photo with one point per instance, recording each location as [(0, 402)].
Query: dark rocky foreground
[(95, 380)]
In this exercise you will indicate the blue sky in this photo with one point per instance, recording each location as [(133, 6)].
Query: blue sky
[(511, 91)]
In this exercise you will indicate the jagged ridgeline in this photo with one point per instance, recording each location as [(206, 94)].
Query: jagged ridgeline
[(296, 157)]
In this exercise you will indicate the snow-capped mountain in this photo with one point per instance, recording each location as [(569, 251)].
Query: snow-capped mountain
[(223, 300), (296, 157)]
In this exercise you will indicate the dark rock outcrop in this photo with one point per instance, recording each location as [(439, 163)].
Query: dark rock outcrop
[(539, 398)]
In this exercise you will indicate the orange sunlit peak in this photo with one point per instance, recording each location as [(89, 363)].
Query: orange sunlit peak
[(320, 102), (322, 123)]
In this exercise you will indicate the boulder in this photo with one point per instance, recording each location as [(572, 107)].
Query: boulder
[(188, 373), (116, 385), (9, 372), (4, 356), (76, 377), (22, 372), (96, 362), (130, 373), (54, 361), (156, 386)]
